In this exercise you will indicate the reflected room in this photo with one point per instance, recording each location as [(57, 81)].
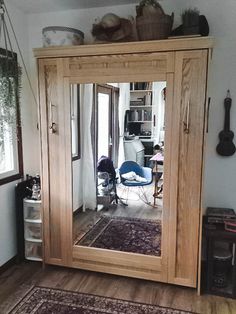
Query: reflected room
[(118, 145)]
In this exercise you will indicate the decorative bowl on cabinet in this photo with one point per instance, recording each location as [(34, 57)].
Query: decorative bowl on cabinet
[(62, 36)]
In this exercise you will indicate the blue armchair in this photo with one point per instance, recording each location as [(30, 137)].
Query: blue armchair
[(144, 172)]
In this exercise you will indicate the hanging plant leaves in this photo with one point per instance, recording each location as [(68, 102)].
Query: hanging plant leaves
[(10, 85)]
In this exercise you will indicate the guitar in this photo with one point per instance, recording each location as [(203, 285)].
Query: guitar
[(226, 146)]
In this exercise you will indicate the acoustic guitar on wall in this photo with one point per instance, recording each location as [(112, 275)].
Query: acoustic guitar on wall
[(226, 146)]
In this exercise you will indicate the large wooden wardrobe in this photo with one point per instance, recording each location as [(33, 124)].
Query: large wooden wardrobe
[(183, 64)]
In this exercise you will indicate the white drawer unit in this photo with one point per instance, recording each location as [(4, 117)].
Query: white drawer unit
[(33, 251), (32, 210), (33, 230)]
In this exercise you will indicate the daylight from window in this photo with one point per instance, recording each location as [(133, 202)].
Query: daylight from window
[(8, 129)]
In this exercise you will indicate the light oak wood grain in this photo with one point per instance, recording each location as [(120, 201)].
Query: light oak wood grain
[(183, 64), (97, 259), (202, 212), (126, 48), (187, 154), (55, 150)]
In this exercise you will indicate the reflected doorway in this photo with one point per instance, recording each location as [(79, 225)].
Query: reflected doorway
[(106, 121)]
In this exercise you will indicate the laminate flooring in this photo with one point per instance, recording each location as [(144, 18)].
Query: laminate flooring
[(17, 280)]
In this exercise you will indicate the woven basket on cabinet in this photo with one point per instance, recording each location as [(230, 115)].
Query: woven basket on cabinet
[(154, 27)]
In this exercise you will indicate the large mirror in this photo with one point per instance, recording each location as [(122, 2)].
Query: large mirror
[(119, 175)]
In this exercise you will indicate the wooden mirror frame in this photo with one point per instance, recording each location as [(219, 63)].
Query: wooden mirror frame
[(123, 263)]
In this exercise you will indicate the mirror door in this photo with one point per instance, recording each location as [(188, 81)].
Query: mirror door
[(61, 247), (134, 234)]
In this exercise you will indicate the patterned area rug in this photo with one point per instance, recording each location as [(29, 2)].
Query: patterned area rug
[(48, 301), (125, 234)]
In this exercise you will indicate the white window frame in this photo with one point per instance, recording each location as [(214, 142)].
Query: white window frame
[(13, 153)]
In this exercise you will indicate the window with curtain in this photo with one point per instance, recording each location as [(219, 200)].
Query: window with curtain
[(11, 164)]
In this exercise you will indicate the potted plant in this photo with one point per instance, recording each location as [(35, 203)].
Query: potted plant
[(152, 22), (149, 7), (190, 19), (10, 83)]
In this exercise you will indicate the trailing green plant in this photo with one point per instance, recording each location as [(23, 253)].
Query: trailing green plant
[(10, 87)]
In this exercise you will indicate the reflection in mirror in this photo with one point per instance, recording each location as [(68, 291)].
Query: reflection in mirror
[(75, 143), (127, 140), (103, 125), (75, 120)]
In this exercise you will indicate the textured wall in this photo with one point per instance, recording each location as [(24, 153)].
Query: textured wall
[(7, 201)]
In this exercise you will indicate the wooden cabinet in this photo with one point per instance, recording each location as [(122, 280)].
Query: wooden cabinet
[(187, 140), (183, 65), (55, 158)]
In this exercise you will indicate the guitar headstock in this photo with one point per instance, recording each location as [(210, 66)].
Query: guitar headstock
[(228, 100)]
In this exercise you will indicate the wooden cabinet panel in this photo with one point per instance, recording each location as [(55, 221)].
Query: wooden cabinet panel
[(54, 155), (119, 67), (186, 165)]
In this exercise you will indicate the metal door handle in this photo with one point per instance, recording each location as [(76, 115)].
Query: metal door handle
[(208, 111), (53, 127), (186, 122), (52, 124)]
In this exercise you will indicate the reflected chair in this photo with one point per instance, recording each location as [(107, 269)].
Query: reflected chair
[(143, 172), (106, 182)]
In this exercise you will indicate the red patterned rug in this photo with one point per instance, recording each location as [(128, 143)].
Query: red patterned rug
[(125, 234), (53, 301)]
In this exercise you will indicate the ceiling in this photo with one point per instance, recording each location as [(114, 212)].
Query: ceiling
[(40, 6)]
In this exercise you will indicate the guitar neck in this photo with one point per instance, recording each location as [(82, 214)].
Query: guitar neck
[(227, 114)]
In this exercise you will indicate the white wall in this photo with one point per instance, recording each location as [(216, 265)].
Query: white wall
[(28, 108), (7, 223), (220, 174), (7, 193)]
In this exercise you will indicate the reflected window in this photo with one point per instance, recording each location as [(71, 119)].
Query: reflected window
[(103, 124), (75, 121)]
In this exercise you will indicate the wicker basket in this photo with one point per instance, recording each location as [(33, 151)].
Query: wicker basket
[(154, 27)]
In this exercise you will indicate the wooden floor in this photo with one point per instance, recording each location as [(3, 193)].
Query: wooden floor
[(137, 208), (16, 281)]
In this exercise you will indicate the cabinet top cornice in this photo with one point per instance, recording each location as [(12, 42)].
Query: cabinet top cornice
[(125, 48)]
